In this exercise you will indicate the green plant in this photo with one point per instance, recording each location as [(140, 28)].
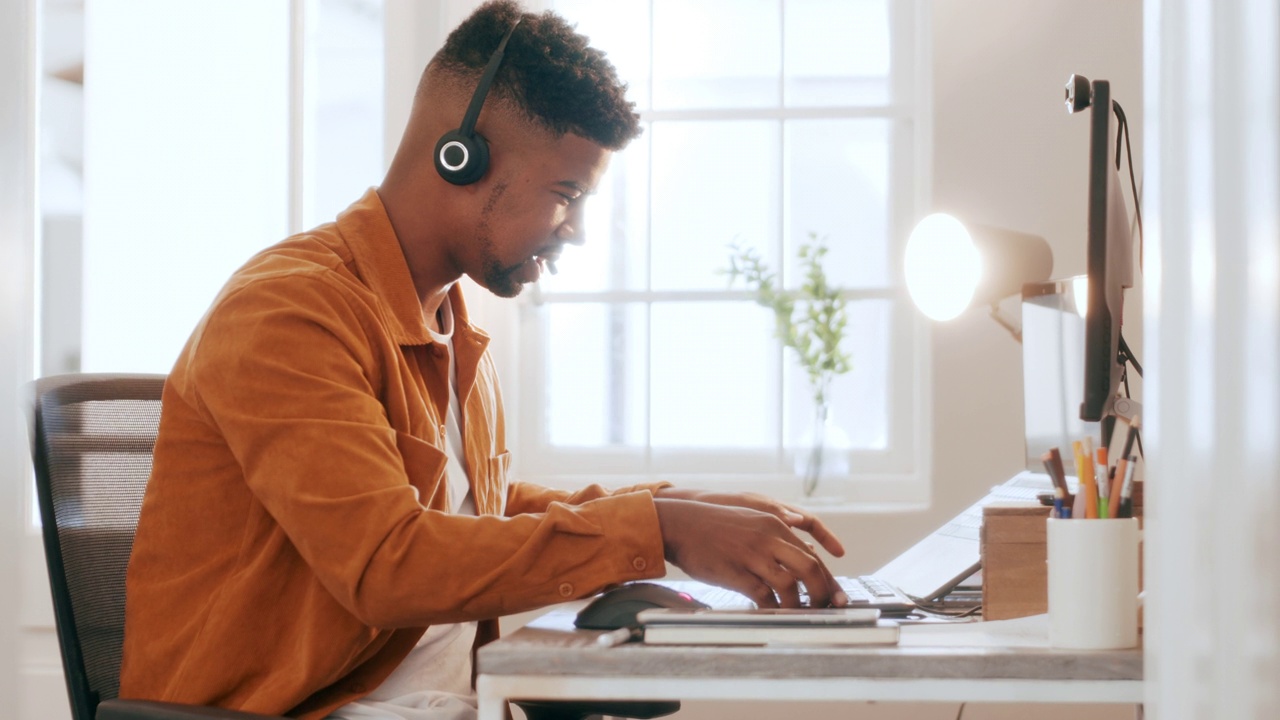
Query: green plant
[(810, 320)]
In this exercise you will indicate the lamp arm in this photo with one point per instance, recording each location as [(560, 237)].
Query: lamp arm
[(999, 316)]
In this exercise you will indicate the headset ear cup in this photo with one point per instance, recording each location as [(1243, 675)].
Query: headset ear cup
[(461, 159)]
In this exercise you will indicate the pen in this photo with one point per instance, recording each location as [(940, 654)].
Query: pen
[(1126, 488), (619, 636), (1117, 486), (1104, 482)]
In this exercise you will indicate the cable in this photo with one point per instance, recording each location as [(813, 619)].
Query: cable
[(960, 714), (1127, 354), (1133, 182)]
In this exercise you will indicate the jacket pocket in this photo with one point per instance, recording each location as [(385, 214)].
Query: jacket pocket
[(425, 464)]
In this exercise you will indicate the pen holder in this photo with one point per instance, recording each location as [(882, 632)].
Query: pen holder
[(1093, 583)]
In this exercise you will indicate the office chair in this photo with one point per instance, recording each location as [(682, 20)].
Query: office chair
[(92, 437)]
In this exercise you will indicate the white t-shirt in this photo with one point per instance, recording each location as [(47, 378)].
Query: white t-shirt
[(434, 680)]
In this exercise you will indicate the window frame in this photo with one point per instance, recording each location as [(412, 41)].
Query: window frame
[(900, 476)]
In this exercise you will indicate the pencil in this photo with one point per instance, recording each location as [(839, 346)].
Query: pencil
[(1088, 477)]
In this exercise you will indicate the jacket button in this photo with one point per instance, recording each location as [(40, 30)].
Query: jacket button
[(566, 589), (639, 563)]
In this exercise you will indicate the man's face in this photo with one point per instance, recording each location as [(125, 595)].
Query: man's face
[(534, 208)]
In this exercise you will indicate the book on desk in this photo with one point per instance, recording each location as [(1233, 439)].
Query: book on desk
[(829, 626)]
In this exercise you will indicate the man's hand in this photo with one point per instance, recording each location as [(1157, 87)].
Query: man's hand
[(750, 550), (792, 516)]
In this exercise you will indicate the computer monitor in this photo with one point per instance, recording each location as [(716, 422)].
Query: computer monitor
[(1109, 264)]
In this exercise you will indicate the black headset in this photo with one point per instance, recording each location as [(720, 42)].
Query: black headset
[(462, 155)]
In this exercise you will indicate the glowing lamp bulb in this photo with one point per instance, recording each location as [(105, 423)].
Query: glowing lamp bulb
[(943, 266)]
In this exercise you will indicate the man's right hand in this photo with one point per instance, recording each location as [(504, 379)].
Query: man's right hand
[(746, 550)]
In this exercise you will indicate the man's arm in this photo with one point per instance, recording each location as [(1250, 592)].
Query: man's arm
[(525, 497), (296, 381)]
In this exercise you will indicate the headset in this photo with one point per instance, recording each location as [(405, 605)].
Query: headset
[(462, 155)]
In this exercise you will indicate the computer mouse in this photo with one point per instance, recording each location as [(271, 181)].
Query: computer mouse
[(617, 607)]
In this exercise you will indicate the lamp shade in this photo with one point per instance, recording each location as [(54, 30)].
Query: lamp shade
[(951, 266)]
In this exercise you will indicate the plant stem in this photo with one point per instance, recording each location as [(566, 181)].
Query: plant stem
[(813, 471)]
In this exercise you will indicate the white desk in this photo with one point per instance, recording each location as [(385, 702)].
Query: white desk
[(1002, 661)]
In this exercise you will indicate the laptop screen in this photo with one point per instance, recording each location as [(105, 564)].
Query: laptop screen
[(1053, 371)]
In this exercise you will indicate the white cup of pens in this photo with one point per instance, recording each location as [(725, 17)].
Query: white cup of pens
[(1093, 548)]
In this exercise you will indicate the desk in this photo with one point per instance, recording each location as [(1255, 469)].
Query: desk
[(998, 661)]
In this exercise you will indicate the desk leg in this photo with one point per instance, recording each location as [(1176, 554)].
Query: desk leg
[(491, 701)]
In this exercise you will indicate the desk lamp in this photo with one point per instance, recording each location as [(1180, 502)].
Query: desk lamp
[(951, 267)]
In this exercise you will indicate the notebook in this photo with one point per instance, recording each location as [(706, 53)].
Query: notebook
[(831, 626)]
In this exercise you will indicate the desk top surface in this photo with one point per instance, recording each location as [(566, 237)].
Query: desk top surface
[(1003, 649)]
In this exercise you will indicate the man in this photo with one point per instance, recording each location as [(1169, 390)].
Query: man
[(329, 529)]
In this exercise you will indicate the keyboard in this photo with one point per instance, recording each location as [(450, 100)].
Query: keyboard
[(863, 591)]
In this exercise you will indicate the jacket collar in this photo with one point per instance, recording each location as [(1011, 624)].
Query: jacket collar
[(380, 263)]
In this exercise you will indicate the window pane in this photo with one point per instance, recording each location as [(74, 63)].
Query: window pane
[(838, 185), (615, 253), (837, 52), (595, 394), (714, 183), (715, 369), (186, 157), (716, 53), (860, 398), (621, 29), (345, 116)]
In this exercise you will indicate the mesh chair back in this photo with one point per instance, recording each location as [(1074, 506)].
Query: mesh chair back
[(92, 438)]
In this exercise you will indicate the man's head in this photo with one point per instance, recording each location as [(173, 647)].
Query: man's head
[(551, 118), (548, 72)]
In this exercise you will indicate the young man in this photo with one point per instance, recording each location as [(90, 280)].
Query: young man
[(329, 529)]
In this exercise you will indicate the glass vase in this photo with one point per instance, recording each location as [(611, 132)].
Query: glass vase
[(822, 459)]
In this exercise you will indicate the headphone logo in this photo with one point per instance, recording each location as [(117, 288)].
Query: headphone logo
[(462, 155)]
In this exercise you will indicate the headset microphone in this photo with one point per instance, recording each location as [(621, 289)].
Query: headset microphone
[(462, 155)]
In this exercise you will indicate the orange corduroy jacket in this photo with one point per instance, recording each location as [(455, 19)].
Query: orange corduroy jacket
[(294, 540)]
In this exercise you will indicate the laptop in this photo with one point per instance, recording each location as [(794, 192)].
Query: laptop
[(930, 572)]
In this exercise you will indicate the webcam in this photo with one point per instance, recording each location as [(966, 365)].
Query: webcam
[(1079, 93)]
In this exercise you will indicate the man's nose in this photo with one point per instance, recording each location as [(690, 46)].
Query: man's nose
[(568, 233)]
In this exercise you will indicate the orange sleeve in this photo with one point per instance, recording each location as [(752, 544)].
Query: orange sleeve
[(291, 373)]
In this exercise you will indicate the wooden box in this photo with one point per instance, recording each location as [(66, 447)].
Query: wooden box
[(1014, 573)]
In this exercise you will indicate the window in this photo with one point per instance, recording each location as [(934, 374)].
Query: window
[(765, 121), (200, 134)]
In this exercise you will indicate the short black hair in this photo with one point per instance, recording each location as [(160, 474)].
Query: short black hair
[(548, 70)]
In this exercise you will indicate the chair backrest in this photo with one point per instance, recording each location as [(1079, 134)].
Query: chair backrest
[(92, 439)]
